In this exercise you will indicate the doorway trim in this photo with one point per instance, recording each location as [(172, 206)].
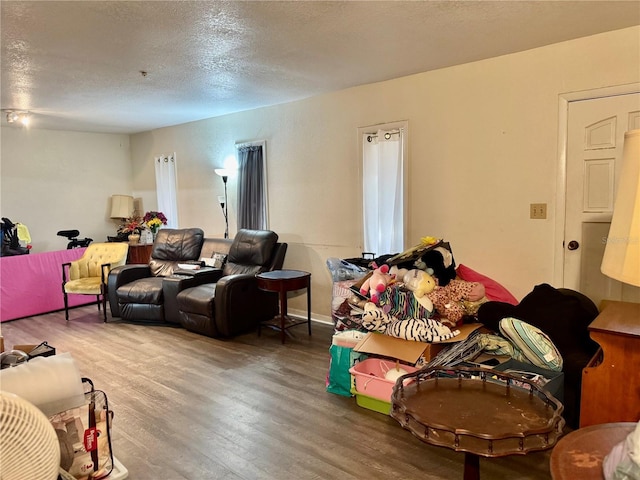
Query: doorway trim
[(564, 99)]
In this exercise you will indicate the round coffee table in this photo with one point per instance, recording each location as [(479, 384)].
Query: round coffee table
[(283, 281), (479, 412), (580, 453)]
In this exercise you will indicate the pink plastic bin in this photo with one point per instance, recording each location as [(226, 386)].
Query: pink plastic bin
[(370, 377)]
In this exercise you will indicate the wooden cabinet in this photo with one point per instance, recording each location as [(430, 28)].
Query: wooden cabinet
[(611, 381), (139, 253)]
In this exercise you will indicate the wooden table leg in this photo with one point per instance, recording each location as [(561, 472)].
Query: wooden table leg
[(471, 466), (283, 313), (309, 305)]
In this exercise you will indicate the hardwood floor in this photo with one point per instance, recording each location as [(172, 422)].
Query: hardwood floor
[(189, 407)]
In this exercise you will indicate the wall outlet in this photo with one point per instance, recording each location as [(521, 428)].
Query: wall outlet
[(538, 211)]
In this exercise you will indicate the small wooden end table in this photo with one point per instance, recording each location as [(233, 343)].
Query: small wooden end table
[(283, 281)]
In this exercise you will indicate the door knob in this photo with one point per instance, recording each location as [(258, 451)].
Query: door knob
[(573, 245)]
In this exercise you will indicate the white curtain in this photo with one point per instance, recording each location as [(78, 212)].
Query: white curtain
[(166, 187), (383, 192)]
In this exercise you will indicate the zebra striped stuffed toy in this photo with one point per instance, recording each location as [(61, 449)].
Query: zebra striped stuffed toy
[(416, 329)]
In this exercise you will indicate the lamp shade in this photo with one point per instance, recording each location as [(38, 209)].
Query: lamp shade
[(121, 206), (621, 260), (223, 172)]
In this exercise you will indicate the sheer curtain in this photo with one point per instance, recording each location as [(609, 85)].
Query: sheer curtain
[(166, 187), (252, 194), (383, 188)]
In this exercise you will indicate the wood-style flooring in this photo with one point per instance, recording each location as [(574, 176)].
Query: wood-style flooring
[(189, 407)]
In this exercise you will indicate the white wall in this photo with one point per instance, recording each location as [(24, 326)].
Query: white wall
[(483, 146), (56, 180)]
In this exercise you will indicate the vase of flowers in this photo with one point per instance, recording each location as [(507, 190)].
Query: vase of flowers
[(153, 221), (132, 227)]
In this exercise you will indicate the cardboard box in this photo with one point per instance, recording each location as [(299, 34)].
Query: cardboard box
[(406, 350)]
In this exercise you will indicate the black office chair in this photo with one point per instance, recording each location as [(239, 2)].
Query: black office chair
[(74, 241)]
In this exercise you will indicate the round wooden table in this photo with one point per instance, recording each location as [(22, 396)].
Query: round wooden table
[(478, 412), (579, 455), (282, 282)]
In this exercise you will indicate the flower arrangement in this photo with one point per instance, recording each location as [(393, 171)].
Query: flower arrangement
[(154, 220), (131, 225)]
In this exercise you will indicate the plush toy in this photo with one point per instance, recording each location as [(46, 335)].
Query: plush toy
[(376, 283), (449, 300), (416, 329), (420, 283), (375, 319), (398, 273), (440, 261)]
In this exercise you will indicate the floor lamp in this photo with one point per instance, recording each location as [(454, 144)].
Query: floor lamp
[(224, 204)]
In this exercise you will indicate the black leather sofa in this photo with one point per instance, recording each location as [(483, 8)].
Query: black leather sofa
[(149, 293), (233, 304)]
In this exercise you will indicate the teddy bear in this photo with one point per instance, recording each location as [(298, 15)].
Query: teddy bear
[(376, 283), (447, 300)]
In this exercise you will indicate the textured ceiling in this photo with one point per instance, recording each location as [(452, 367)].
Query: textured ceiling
[(76, 65)]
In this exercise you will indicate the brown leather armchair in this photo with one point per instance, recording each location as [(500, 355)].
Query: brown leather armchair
[(234, 304), (147, 293)]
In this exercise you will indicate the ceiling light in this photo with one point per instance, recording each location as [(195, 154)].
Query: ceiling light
[(17, 116)]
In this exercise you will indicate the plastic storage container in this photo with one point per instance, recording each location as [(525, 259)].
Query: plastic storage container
[(370, 378), (371, 403)]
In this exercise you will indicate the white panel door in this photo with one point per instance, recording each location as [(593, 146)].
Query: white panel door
[(595, 138)]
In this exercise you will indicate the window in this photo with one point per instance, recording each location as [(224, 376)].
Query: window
[(383, 187), (166, 186), (252, 185)]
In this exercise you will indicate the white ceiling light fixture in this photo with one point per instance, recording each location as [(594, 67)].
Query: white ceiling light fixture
[(18, 116)]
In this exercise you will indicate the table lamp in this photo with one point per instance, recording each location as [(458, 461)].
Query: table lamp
[(621, 260), (121, 206)]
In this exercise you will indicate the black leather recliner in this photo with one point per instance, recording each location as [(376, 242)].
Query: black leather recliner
[(234, 304), (147, 293)]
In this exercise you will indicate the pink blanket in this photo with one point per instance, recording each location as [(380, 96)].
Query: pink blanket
[(32, 284)]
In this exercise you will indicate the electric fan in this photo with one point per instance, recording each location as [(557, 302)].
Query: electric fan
[(29, 448)]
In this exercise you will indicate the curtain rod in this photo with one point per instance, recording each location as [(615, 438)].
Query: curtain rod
[(387, 135)]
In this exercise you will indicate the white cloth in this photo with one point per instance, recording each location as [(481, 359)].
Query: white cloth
[(623, 462), (53, 384)]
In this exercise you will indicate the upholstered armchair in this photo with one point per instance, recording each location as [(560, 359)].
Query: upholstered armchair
[(147, 293), (88, 275), (233, 304)]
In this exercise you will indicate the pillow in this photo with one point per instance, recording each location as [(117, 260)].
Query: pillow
[(217, 260), (535, 345), (493, 290)]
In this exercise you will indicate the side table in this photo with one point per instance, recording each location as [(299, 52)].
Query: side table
[(139, 253), (580, 453), (283, 281), (611, 381)]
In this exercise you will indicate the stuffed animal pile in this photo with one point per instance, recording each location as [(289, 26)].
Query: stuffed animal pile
[(419, 298)]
